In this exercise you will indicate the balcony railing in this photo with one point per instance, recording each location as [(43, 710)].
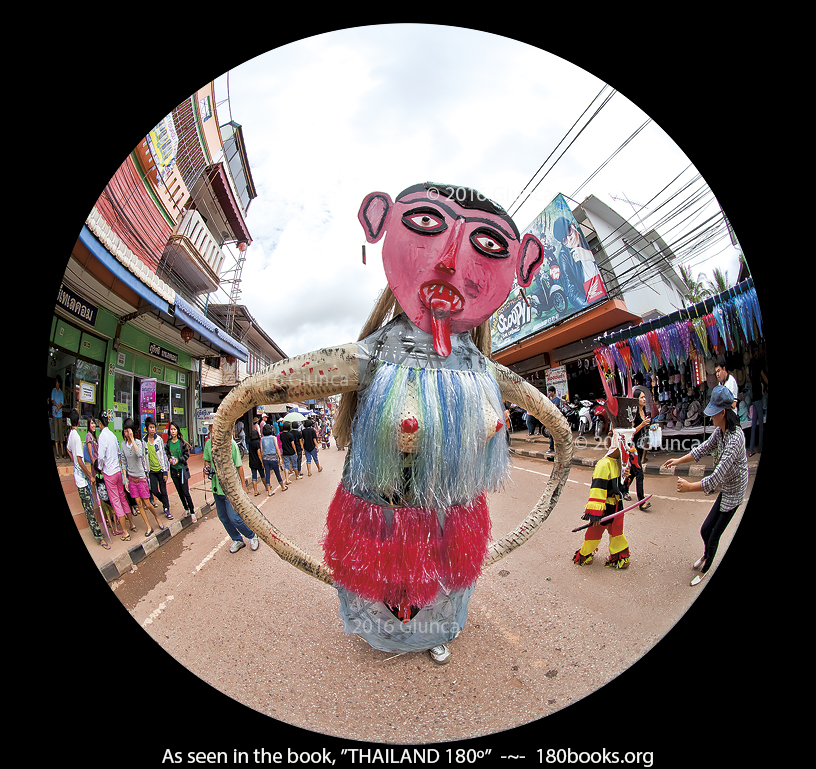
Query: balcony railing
[(193, 256)]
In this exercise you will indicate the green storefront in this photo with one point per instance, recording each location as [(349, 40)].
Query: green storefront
[(102, 373)]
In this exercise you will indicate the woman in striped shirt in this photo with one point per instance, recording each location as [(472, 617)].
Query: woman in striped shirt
[(730, 474)]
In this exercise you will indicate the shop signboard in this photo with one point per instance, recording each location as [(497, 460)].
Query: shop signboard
[(568, 280), (147, 402), (557, 377)]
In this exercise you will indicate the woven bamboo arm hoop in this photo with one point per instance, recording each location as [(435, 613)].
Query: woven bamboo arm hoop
[(336, 370), (515, 390)]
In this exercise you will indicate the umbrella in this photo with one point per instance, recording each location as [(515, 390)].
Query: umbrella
[(293, 416)]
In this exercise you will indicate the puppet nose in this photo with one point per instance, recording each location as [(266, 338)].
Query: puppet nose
[(447, 263)]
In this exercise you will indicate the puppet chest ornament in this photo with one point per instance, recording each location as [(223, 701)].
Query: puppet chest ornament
[(408, 531)]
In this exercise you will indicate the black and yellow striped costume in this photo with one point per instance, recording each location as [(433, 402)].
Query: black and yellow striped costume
[(605, 498)]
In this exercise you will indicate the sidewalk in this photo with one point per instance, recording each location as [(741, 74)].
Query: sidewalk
[(123, 556), (587, 451)]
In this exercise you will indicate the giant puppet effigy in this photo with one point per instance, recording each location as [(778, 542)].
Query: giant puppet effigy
[(408, 531)]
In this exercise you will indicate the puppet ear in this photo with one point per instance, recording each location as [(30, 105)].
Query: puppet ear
[(373, 214), (531, 254)]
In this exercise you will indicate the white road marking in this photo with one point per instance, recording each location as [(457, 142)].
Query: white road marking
[(655, 496)]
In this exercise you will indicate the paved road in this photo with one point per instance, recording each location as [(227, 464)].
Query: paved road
[(541, 635)]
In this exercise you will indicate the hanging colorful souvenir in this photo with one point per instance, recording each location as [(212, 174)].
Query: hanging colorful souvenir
[(684, 335), (607, 372), (752, 295), (700, 332), (654, 345), (712, 327)]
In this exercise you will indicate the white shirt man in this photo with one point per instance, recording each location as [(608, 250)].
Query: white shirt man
[(724, 378), (108, 459)]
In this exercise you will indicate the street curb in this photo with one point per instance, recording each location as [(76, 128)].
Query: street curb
[(694, 471), (124, 563)]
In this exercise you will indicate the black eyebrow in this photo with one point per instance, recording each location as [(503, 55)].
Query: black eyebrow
[(455, 215)]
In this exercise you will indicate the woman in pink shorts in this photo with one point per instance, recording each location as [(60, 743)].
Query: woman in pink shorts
[(108, 463), (135, 465)]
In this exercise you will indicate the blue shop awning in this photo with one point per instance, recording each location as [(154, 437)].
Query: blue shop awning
[(172, 304), (122, 273), (201, 325)]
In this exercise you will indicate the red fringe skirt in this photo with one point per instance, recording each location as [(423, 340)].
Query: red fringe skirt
[(407, 560)]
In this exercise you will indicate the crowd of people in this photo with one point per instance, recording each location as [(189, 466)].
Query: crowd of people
[(127, 480)]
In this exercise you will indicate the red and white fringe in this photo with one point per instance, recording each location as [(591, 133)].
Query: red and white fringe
[(404, 562)]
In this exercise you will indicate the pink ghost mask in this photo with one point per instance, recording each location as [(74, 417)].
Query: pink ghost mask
[(450, 256)]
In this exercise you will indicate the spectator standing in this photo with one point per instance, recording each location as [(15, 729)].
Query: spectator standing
[(556, 401), (759, 380), (158, 466), (641, 425), (134, 454), (178, 452), (288, 451), (234, 525), (57, 421), (271, 460), (84, 478), (256, 464), (309, 442), (110, 467), (726, 379)]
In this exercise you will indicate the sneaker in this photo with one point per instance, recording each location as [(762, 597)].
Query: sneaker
[(697, 580), (236, 546), (699, 562), (440, 654), (253, 543)]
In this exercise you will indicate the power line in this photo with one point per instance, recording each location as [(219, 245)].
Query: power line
[(595, 114), (603, 165)]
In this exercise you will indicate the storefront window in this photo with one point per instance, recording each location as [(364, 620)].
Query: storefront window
[(87, 390), (123, 401), (81, 384)]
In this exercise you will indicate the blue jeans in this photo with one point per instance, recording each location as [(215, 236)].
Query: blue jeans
[(311, 455), (231, 520), (269, 466), (757, 420)]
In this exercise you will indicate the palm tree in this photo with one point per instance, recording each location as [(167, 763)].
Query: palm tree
[(720, 282), (696, 290)]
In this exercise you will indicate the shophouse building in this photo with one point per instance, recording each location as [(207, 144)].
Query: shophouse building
[(555, 343), (133, 304)]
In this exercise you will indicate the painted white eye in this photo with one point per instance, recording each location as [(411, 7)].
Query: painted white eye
[(425, 221), (489, 243)]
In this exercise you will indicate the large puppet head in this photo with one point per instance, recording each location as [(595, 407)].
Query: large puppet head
[(623, 431), (450, 255)]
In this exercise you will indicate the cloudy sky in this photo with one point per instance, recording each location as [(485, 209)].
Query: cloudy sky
[(331, 118)]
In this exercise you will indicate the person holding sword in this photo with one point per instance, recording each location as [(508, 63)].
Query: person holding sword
[(730, 474)]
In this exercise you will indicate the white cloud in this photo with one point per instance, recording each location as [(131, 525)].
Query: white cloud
[(333, 117)]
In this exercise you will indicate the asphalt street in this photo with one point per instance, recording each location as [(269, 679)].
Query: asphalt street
[(544, 638)]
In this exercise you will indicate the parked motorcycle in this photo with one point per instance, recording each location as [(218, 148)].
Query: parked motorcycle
[(584, 417), (600, 420), (571, 412)]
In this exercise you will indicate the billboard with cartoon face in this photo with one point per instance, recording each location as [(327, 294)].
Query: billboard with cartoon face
[(568, 280)]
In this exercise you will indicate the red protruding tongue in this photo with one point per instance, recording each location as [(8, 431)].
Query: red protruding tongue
[(440, 326)]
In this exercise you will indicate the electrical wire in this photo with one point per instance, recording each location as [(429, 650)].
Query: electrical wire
[(594, 115)]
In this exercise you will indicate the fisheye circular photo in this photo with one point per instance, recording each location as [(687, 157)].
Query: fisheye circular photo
[(407, 386)]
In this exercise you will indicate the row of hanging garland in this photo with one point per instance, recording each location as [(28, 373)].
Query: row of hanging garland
[(734, 320)]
